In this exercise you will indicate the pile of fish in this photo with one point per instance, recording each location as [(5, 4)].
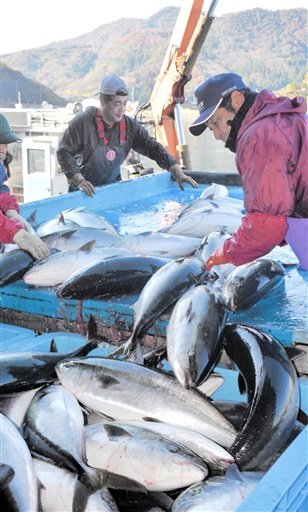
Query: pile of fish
[(92, 433), (133, 430), (89, 259)]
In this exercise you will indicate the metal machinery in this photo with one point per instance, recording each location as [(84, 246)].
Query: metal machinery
[(190, 31)]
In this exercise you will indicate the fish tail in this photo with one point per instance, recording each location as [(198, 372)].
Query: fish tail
[(125, 350)]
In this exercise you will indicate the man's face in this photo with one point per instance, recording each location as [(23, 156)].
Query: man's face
[(112, 111), (217, 123)]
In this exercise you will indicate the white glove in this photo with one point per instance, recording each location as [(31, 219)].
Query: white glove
[(32, 244), (13, 214)]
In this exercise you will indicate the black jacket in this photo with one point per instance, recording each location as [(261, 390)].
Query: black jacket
[(81, 138)]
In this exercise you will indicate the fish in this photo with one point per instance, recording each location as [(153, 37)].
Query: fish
[(235, 412), (232, 202), (160, 244), (59, 439), (142, 455), (207, 204), (272, 392), (217, 493), (126, 390), (21, 492), (61, 490), (72, 239), (112, 276), (22, 371), (215, 190), (215, 457), (200, 224), (55, 226), (152, 502), (194, 330), (14, 264), (211, 242), (161, 291), (59, 267), (284, 254), (247, 283), (86, 218), (15, 405), (212, 383)]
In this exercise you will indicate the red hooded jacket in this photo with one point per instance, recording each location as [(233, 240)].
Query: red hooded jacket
[(8, 227), (271, 157)]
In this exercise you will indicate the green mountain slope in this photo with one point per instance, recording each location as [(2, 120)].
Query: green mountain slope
[(31, 91), (268, 48)]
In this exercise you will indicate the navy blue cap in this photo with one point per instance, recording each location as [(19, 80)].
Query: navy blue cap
[(209, 96)]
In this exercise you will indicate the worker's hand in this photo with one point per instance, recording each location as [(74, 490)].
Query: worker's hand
[(13, 214), (217, 258), (80, 182), (87, 187), (32, 244), (178, 174)]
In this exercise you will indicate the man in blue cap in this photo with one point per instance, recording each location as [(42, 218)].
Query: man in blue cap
[(269, 136)]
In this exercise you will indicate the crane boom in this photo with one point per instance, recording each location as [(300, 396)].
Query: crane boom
[(188, 36)]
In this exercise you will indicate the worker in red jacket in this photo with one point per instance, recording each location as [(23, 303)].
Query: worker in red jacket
[(269, 136), (13, 227)]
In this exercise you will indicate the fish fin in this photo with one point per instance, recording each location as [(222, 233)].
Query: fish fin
[(67, 234), (124, 350), (85, 349), (114, 481), (114, 431), (53, 346), (61, 218), (32, 217), (148, 418), (87, 247), (223, 231), (136, 355), (92, 331), (302, 417), (40, 487), (293, 352), (86, 412), (69, 210), (212, 201), (81, 495)]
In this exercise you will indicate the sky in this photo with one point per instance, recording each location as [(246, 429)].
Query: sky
[(32, 23)]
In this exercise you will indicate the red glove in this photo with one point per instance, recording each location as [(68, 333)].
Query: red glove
[(217, 258)]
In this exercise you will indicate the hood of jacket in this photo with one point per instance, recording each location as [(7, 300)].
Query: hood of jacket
[(267, 104)]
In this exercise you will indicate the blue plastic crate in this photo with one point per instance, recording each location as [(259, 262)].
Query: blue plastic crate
[(20, 339)]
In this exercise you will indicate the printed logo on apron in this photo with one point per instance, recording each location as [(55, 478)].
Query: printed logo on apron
[(110, 155)]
